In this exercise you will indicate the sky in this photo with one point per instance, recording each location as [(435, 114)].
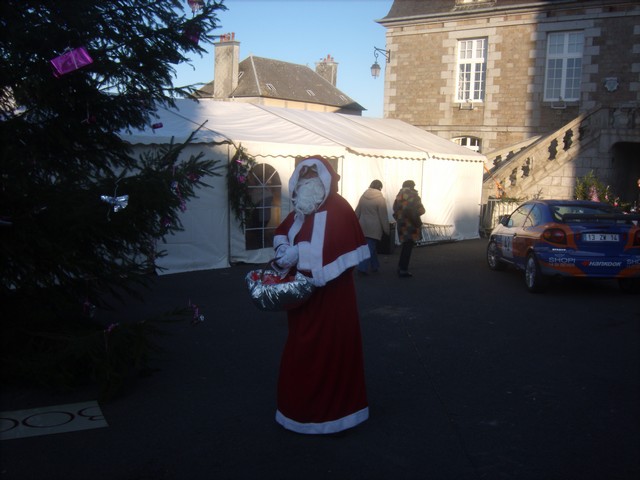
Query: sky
[(305, 32)]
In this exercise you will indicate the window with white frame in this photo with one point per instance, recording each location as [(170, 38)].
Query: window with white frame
[(472, 69), (564, 66)]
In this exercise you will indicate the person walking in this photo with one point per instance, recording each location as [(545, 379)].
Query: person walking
[(321, 386), (407, 209), (374, 220)]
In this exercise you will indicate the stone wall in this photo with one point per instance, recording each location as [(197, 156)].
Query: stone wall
[(420, 80)]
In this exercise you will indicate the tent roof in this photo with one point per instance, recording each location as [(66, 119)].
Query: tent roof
[(244, 122)]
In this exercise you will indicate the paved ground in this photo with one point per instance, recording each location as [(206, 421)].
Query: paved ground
[(469, 377)]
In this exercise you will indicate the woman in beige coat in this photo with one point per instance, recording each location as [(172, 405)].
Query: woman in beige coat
[(374, 220)]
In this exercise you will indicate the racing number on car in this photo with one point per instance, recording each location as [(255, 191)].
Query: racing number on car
[(507, 246)]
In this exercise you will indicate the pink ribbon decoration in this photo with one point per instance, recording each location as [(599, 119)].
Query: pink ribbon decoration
[(195, 5), (192, 33), (107, 332), (71, 60), (197, 316), (88, 308), (176, 188)]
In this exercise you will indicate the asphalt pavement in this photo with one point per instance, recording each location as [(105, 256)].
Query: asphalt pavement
[(469, 376)]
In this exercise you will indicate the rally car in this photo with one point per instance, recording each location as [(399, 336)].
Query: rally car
[(568, 238)]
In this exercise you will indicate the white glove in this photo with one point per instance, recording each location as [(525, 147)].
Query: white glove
[(287, 256)]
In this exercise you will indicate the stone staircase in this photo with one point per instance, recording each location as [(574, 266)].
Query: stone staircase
[(547, 166)]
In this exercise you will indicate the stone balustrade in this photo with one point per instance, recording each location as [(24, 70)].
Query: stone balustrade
[(548, 166)]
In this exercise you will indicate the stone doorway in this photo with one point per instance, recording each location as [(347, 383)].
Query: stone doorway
[(625, 158)]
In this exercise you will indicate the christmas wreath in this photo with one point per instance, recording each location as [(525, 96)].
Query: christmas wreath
[(238, 184)]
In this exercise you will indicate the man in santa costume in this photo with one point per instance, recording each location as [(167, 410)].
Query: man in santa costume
[(321, 387)]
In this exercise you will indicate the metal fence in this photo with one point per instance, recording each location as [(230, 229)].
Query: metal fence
[(432, 233), (492, 211)]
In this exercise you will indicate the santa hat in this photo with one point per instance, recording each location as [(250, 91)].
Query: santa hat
[(325, 171)]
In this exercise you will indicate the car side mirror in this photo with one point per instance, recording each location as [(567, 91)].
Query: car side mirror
[(504, 220)]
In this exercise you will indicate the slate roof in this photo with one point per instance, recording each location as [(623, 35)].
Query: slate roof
[(267, 78), (404, 9)]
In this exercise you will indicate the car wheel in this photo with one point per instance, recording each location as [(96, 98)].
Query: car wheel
[(629, 285), (493, 258), (535, 281)]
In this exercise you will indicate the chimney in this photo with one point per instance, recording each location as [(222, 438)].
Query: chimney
[(327, 68), (225, 69)]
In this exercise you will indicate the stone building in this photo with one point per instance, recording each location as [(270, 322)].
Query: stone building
[(275, 83), (548, 90)]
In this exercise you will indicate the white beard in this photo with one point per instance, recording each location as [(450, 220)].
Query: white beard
[(309, 195)]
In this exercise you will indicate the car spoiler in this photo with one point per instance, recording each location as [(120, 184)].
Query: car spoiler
[(567, 217)]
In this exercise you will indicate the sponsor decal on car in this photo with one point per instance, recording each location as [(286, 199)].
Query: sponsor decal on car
[(561, 261), (598, 263)]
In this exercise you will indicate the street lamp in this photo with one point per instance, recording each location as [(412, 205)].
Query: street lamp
[(375, 68)]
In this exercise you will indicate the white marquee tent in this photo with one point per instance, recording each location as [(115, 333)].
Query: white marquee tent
[(448, 176)]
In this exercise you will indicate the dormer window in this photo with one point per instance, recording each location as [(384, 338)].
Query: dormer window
[(467, 2), (471, 4)]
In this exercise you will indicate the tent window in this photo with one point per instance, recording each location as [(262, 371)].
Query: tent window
[(265, 189)]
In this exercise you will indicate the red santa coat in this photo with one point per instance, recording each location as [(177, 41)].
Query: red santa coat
[(321, 386)]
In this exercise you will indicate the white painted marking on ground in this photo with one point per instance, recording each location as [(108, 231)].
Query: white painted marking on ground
[(47, 420)]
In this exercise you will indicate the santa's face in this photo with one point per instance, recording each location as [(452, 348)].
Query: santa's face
[(309, 194)]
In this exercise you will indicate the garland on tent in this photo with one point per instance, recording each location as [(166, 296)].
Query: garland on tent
[(237, 184)]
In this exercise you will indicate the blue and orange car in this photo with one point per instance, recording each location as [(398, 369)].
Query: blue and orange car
[(568, 238)]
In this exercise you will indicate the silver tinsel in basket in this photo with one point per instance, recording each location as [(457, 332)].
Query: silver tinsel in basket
[(283, 295)]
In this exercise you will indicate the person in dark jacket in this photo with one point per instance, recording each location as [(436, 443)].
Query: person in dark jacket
[(407, 209)]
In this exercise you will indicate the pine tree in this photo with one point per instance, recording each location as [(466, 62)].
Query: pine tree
[(81, 218)]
